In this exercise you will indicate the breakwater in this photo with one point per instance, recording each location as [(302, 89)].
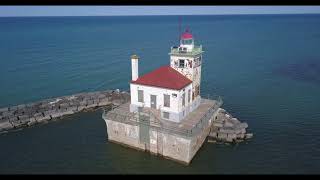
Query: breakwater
[(43, 111), (226, 128)]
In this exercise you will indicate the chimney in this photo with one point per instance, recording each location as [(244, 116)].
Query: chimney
[(134, 67)]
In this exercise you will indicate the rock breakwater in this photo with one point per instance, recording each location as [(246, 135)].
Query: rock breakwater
[(24, 115), (226, 128)]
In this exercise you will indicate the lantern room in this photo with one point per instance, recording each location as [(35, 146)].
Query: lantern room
[(186, 41)]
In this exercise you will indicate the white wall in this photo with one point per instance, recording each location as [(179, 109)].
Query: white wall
[(175, 102), (134, 69)]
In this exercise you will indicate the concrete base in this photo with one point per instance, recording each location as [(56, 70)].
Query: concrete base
[(157, 140), (171, 146)]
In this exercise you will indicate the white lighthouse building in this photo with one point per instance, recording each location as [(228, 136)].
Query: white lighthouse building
[(166, 114), (173, 90)]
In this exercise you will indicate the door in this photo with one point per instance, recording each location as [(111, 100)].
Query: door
[(144, 134), (153, 101)]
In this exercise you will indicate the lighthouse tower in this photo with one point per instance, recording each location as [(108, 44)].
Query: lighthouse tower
[(187, 59)]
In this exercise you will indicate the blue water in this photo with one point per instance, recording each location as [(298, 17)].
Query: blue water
[(266, 68)]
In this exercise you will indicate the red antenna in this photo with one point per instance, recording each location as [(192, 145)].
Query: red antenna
[(179, 28)]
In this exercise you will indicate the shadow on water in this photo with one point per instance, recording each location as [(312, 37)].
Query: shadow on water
[(306, 71)]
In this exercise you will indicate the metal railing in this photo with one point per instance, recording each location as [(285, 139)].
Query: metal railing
[(196, 50)]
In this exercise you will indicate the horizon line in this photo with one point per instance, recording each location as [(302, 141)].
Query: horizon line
[(303, 13)]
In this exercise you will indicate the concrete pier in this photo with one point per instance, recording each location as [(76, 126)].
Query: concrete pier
[(145, 130), (46, 110)]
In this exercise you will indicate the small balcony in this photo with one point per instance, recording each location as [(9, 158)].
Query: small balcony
[(180, 52)]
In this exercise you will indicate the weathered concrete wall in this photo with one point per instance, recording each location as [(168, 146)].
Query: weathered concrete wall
[(170, 145), (43, 111), (198, 140), (125, 134), (176, 147)]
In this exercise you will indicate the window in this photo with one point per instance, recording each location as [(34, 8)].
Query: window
[(181, 63), (189, 94), (140, 95), (165, 115), (197, 91), (174, 95), (183, 99), (187, 41), (197, 61), (175, 63), (166, 100)]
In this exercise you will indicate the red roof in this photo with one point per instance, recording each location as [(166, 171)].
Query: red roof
[(164, 77), (186, 35)]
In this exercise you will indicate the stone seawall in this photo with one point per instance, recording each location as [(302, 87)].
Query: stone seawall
[(46, 110)]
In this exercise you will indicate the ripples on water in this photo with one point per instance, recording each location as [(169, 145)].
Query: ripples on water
[(260, 65)]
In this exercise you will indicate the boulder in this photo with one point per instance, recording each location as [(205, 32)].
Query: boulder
[(80, 108), (21, 106), (73, 109), (240, 136), (243, 131), (213, 134), (219, 120), (89, 102), (5, 125), (230, 140), (64, 105), (32, 121), (217, 124), (57, 114), (18, 124), (103, 102), (37, 114), (228, 124), (227, 130), (235, 121), (83, 103), (223, 111), (43, 118), (243, 125), (101, 96), (23, 117), (222, 136), (232, 136), (249, 135), (7, 113), (13, 108), (13, 119), (3, 109), (91, 105)]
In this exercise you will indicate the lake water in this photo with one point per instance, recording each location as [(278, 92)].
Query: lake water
[(265, 67)]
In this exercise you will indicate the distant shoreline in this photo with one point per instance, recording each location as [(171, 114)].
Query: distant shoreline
[(289, 14)]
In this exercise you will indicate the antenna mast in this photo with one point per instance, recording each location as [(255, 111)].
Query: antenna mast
[(179, 28)]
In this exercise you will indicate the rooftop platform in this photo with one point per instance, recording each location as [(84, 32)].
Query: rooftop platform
[(190, 125), (196, 50)]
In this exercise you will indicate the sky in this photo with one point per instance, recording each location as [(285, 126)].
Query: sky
[(9, 11)]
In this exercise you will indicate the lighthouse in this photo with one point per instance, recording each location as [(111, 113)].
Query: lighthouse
[(166, 114), (172, 90), (187, 59)]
